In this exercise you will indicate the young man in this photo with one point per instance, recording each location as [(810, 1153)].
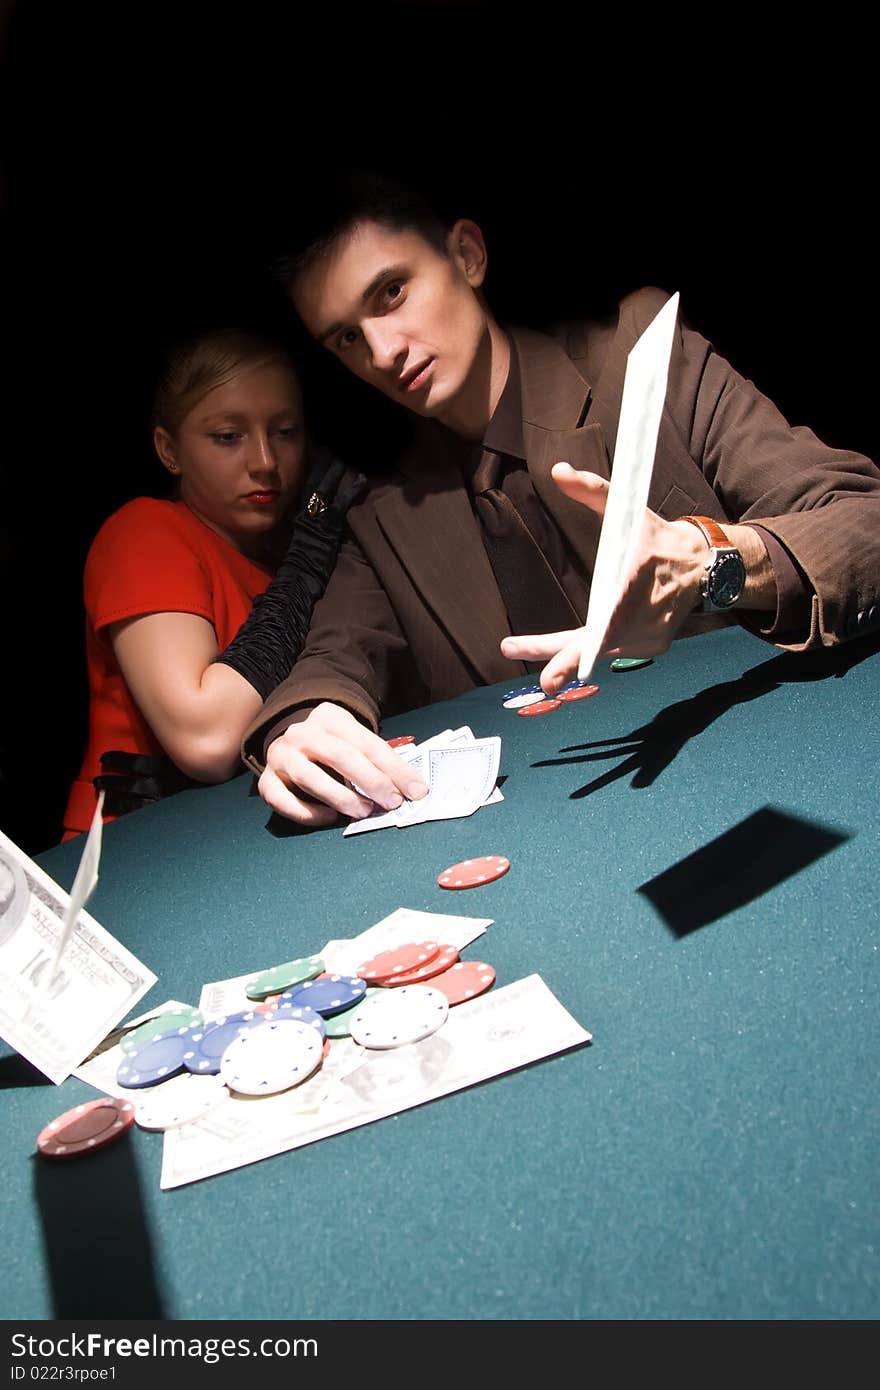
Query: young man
[(488, 524)]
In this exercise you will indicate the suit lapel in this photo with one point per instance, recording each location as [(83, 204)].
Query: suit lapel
[(555, 399)]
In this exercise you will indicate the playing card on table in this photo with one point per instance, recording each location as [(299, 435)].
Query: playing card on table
[(460, 771)]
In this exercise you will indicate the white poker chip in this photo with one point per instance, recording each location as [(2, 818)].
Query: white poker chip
[(180, 1099), (398, 1016), (272, 1058), (531, 697)]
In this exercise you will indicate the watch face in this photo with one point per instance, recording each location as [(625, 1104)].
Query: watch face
[(726, 579)]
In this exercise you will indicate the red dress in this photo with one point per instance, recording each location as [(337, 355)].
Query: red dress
[(149, 557)]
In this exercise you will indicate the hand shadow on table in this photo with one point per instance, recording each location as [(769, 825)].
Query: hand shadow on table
[(98, 1248), (649, 750), (737, 867)]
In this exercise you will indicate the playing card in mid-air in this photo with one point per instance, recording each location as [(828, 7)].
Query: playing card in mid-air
[(644, 391)]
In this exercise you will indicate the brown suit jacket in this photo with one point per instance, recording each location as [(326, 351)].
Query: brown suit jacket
[(412, 613)]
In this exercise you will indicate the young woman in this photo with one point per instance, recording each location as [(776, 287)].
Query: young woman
[(196, 608)]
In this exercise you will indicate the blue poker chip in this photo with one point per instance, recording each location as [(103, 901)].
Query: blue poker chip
[(156, 1060), (572, 685), (205, 1043), (330, 995), (300, 1013), (521, 690)]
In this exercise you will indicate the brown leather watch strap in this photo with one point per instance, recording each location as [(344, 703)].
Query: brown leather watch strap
[(710, 529)]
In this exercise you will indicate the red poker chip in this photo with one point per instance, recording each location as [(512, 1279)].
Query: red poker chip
[(391, 963), (325, 1051), (446, 956), (86, 1128), (542, 707), (464, 981), (470, 873), (400, 740), (578, 692)]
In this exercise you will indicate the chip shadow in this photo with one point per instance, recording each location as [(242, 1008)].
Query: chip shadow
[(742, 864), (98, 1248)]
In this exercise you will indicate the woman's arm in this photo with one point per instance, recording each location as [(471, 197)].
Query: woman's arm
[(197, 708)]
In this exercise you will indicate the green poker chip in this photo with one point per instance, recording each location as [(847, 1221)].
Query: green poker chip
[(630, 663), (281, 977), (155, 1027)]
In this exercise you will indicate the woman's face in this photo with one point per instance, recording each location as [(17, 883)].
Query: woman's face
[(240, 454)]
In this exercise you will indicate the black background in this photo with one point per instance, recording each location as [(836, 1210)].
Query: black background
[(155, 158)]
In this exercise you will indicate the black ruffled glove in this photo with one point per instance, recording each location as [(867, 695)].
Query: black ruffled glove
[(272, 636)]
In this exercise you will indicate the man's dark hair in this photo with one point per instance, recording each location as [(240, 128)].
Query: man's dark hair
[(351, 196)]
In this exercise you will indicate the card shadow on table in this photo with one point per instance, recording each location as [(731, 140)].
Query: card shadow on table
[(17, 1071), (648, 750), (750, 859), (97, 1245)]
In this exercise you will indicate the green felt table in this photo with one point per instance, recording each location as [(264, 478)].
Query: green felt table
[(694, 866)]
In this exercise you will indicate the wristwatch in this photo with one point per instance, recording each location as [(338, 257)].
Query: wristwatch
[(725, 576)]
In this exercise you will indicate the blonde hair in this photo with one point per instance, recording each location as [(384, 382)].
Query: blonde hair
[(199, 364)]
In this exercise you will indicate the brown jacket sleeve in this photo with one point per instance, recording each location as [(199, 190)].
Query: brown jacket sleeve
[(821, 504)]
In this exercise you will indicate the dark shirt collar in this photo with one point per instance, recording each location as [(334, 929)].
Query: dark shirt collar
[(504, 433)]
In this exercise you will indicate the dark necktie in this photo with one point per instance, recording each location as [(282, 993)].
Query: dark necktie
[(534, 598)]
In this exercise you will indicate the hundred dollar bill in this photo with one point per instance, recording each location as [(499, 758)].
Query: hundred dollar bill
[(54, 1017), (496, 1033)]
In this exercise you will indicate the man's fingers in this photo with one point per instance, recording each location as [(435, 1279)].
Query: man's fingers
[(280, 798), (589, 489), (562, 668), (537, 646)]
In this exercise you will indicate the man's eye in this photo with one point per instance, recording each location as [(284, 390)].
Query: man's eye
[(346, 339), (392, 292), (224, 436), (290, 431)]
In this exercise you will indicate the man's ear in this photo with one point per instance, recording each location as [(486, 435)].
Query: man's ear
[(467, 248), (164, 446)]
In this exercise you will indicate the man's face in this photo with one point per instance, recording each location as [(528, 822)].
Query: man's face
[(405, 318)]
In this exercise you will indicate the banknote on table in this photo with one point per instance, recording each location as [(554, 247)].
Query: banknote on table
[(460, 771), (342, 957), (496, 1033), (55, 1024)]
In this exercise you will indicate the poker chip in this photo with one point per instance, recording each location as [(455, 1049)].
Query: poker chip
[(338, 1025), (184, 1098), (272, 1058), (464, 981), (541, 707), (156, 1027), (205, 1043), (300, 1013), (470, 873), (330, 994), (86, 1128), (445, 957), (400, 739), (576, 691), (390, 963), (526, 695), (154, 1061), (395, 1017), (281, 977), (630, 663)]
